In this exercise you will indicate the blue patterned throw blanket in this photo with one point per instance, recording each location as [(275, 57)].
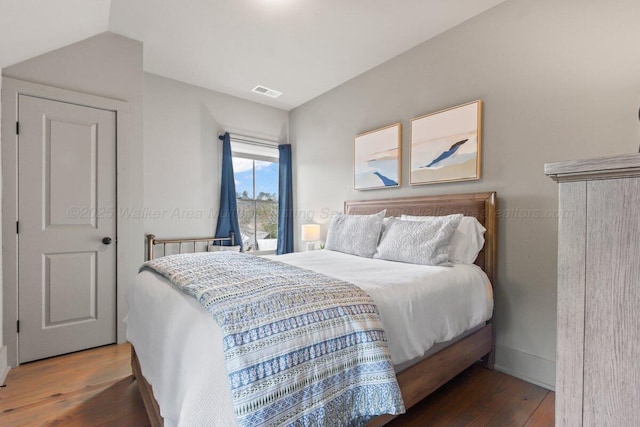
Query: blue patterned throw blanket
[(301, 348)]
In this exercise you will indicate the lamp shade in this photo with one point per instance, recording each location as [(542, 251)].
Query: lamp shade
[(310, 232)]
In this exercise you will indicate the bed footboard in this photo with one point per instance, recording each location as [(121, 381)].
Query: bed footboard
[(152, 242)]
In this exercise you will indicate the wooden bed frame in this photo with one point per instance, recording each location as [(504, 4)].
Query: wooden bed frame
[(421, 379)]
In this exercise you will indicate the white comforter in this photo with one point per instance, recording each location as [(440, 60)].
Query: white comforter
[(180, 345)]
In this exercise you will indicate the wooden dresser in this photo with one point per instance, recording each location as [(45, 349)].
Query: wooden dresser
[(598, 349)]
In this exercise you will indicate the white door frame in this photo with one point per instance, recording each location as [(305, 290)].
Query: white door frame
[(130, 247)]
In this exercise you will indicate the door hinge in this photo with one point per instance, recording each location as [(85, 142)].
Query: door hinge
[(18, 326), (17, 128), (17, 227)]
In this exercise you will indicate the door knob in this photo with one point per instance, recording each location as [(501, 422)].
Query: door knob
[(106, 240)]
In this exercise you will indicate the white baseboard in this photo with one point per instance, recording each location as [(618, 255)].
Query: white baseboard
[(526, 366), (4, 368)]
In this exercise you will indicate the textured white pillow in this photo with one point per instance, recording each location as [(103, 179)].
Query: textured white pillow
[(418, 242), (355, 234), (467, 241)]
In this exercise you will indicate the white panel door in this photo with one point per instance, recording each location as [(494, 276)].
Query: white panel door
[(66, 213)]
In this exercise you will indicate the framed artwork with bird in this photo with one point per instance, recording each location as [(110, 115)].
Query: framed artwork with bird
[(446, 145), (377, 158)]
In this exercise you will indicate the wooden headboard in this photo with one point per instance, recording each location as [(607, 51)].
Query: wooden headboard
[(480, 205)]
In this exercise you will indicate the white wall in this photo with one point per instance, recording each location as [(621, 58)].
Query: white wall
[(110, 66), (106, 65), (559, 80), (182, 153)]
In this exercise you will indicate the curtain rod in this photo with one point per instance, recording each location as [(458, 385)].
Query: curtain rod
[(251, 140)]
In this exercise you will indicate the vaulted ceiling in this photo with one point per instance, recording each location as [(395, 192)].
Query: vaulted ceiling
[(301, 48)]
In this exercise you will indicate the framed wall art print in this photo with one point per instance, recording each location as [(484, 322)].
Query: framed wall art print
[(377, 157), (446, 145)]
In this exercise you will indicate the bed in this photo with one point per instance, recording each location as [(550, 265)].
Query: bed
[(417, 377)]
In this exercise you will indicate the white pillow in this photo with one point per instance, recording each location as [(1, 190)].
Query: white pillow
[(355, 234), (467, 241), (418, 242)]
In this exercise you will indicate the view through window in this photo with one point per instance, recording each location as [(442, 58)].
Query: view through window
[(256, 179)]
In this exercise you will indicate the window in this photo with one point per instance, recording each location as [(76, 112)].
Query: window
[(255, 170)]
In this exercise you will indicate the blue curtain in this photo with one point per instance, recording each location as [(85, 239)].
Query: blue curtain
[(228, 215), (285, 201)]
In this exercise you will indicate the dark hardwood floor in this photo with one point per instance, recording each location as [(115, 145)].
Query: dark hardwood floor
[(95, 388), (480, 397)]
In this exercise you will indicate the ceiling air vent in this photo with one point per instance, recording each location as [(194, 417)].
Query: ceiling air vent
[(266, 91)]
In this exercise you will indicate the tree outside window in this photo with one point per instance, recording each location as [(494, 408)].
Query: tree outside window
[(257, 198)]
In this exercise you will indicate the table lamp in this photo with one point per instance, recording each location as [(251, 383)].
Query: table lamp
[(310, 234)]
